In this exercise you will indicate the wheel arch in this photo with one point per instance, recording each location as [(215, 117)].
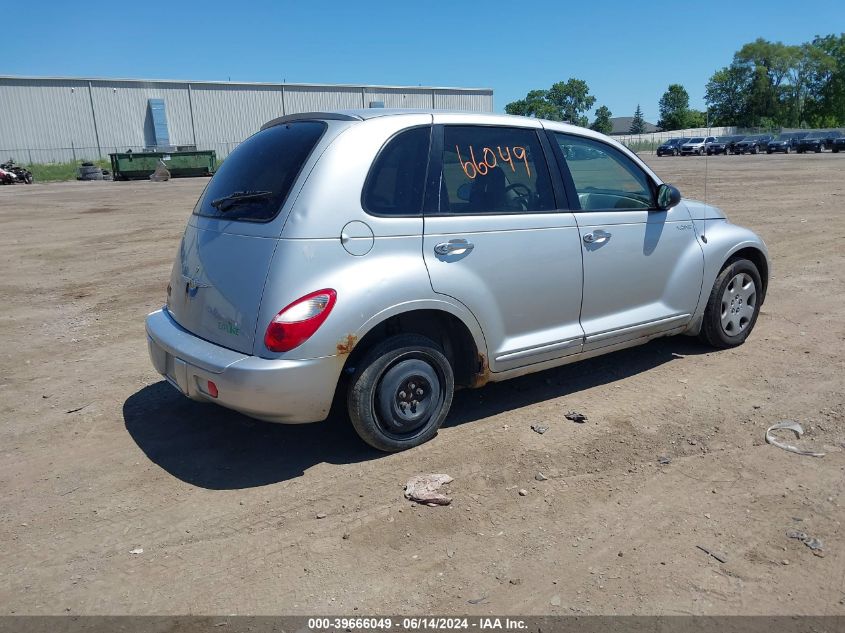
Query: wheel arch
[(458, 334), (725, 244), (756, 257)]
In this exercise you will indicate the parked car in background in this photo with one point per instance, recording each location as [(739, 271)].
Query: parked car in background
[(390, 256), (752, 144), (722, 145), (696, 145), (838, 144), (671, 147), (782, 143), (831, 137), (817, 141)]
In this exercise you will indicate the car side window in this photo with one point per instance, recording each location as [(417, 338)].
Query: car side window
[(396, 181), (490, 169), (604, 178)]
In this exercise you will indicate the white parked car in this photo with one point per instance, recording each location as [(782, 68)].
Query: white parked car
[(697, 145)]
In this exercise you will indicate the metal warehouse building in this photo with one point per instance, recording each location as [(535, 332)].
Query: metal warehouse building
[(62, 119)]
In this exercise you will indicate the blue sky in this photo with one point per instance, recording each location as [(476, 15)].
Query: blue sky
[(627, 51)]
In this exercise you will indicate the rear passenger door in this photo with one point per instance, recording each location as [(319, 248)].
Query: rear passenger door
[(497, 240), (643, 266)]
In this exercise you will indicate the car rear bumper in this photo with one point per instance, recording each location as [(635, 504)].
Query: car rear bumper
[(280, 390)]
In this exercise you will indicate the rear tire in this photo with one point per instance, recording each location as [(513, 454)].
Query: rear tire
[(401, 393), (733, 306)]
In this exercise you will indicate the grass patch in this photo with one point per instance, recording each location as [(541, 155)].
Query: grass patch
[(57, 172)]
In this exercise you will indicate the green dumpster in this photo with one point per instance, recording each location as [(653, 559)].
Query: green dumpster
[(139, 165)]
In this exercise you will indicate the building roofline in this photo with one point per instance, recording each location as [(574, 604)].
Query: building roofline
[(240, 83)]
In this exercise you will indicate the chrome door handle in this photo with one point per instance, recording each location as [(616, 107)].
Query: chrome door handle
[(596, 237), (453, 246)]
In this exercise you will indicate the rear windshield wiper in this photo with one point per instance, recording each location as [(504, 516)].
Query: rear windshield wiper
[(227, 202)]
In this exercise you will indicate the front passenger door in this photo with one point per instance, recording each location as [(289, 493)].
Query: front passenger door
[(643, 267)]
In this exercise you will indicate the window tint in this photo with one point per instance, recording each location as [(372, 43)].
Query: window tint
[(604, 177), (494, 170), (254, 180), (397, 179)]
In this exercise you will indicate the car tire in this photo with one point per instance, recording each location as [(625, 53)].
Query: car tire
[(380, 397), (818, 150), (835, 150), (727, 318), (787, 150)]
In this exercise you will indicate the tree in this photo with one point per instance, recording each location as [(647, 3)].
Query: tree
[(638, 123), (825, 99), (536, 105), (572, 99), (727, 96), (696, 118), (602, 123), (674, 108), (564, 101), (771, 84)]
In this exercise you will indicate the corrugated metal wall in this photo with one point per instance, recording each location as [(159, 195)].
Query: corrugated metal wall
[(58, 120)]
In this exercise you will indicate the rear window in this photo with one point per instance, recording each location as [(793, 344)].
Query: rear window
[(253, 182), (396, 182)]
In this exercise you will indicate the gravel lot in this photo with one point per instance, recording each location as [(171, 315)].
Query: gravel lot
[(101, 458)]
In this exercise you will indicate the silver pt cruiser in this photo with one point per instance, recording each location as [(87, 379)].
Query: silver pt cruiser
[(390, 257)]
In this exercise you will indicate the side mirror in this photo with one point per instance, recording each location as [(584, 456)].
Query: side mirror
[(667, 197)]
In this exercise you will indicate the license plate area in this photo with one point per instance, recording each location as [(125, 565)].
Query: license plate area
[(176, 372)]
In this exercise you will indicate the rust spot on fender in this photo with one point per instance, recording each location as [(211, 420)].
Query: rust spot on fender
[(482, 377), (346, 345)]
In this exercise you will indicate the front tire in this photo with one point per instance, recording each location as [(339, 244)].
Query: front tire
[(401, 393), (733, 306)]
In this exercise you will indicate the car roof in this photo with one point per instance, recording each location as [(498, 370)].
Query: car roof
[(490, 118)]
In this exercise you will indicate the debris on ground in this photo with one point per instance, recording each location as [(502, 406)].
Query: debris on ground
[(523, 492), (477, 600), (664, 460), (540, 477), (79, 408), (795, 428), (574, 416), (161, 173), (321, 515), (539, 428), (813, 543), (719, 556), (137, 550), (555, 601), (423, 489)]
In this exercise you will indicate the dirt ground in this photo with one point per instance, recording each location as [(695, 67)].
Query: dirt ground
[(100, 458)]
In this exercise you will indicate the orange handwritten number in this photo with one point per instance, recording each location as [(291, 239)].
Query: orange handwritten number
[(516, 154), (507, 160), (483, 168)]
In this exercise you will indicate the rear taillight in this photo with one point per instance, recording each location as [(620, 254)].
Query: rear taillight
[(296, 323)]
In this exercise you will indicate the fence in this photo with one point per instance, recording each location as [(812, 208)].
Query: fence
[(647, 143), (49, 155)]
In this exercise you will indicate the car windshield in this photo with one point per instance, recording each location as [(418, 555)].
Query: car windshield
[(815, 135), (697, 139), (723, 139), (784, 137), (252, 183)]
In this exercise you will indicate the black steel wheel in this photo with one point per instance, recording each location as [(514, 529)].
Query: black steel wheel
[(401, 393)]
